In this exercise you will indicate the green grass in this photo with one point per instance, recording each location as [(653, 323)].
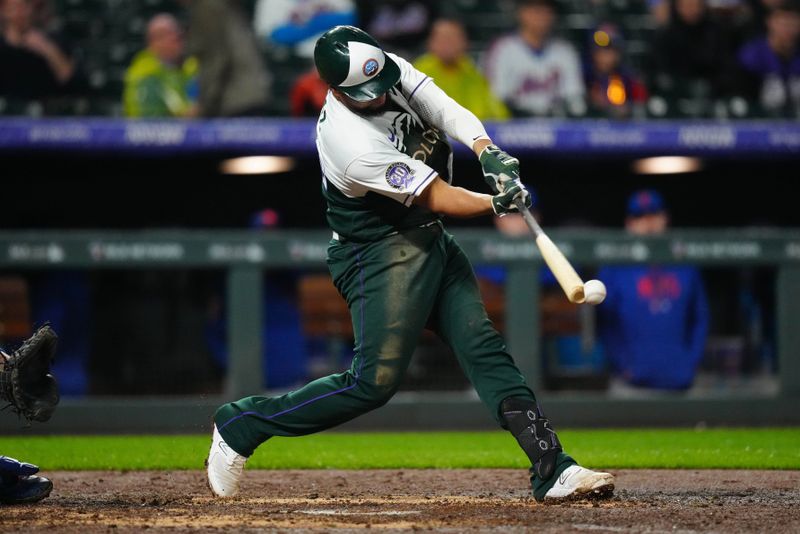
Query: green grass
[(776, 448)]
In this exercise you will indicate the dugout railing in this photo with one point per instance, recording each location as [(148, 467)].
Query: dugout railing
[(245, 256)]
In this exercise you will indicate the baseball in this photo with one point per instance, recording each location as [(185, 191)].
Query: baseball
[(594, 292)]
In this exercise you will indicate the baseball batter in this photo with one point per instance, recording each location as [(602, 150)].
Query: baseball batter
[(386, 172)]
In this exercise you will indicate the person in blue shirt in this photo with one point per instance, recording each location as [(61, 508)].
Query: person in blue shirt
[(654, 321)]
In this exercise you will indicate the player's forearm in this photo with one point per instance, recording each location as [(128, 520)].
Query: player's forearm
[(441, 197), (480, 144), (464, 204)]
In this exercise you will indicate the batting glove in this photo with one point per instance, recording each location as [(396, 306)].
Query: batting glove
[(505, 202), (498, 167)]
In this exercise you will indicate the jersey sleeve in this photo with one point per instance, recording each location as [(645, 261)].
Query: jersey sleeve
[(436, 107), (411, 79), (389, 173)]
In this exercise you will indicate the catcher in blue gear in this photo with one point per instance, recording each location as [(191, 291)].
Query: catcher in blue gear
[(31, 390)]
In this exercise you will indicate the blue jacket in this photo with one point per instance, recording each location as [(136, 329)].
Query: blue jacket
[(654, 324)]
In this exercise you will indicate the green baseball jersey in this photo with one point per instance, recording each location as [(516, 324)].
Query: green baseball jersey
[(375, 165)]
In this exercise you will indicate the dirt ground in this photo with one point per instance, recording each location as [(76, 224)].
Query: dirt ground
[(476, 500)]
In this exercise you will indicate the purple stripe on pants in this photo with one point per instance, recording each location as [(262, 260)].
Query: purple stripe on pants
[(357, 375)]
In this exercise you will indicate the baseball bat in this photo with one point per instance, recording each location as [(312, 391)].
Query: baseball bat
[(567, 278)]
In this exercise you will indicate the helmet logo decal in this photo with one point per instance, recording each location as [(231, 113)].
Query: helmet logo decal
[(366, 64), (370, 67)]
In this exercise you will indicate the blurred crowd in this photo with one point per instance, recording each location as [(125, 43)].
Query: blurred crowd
[(501, 59)]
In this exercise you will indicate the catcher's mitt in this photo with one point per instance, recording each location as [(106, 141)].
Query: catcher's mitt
[(25, 379)]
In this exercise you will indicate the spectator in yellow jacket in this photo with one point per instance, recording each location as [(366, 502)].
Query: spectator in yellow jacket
[(447, 62), (160, 82)]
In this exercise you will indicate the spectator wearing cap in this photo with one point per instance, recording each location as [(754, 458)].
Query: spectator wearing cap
[(612, 88), (447, 62), (160, 79), (654, 321), (532, 71), (771, 63), (693, 57)]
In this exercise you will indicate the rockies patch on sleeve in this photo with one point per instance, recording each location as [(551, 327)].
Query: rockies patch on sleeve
[(399, 175)]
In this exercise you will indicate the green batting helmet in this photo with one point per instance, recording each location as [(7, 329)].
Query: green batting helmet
[(350, 60)]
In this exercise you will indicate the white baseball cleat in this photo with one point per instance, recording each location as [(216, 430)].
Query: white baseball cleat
[(576, 481), (224, 467)]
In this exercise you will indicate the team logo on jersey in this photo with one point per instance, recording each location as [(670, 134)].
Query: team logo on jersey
[(370, 67), (399, 175)]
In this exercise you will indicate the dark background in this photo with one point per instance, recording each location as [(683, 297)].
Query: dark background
[(63, 190)]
